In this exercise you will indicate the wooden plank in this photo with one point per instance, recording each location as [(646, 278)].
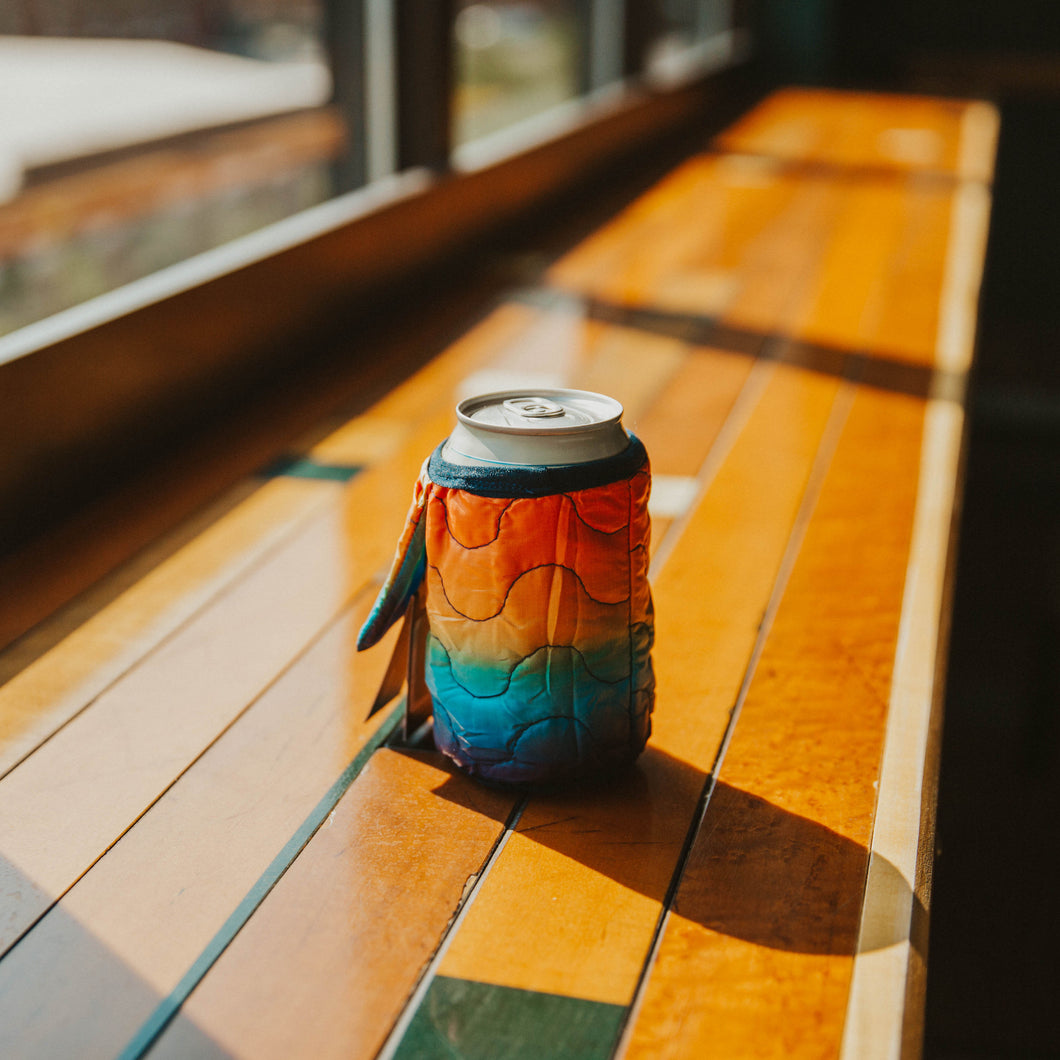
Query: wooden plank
[(903, 133), (824, 390), (106, 640), (44, 695), (593, 343), (67, 803), (891, 979), (783, 907), (757, 952), (606, 344), (239, 990), (701, 394), (96, 966), (693, 241), (347, 929), (587, 906), (568, 959), (896, 237), (769, 273)]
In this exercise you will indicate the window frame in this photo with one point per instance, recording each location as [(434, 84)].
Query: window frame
[(92, 390)]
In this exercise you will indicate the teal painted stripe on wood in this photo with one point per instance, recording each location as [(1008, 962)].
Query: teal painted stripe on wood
[(170, 1006), (306, 467), (479, 1021)]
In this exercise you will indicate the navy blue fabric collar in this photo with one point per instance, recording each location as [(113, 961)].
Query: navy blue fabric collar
[(524, 480)]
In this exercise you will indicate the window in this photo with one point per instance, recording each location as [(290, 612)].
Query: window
[(177, 244), (136, 136), (514, 59)]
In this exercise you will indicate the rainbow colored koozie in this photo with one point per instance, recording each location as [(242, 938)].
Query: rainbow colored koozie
[(539, 613)]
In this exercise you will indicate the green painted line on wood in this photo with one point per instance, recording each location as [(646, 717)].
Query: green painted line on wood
[(480, 1021), (307, 467), (170, 1005)]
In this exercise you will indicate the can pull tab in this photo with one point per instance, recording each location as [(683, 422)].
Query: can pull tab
[(533, 408)]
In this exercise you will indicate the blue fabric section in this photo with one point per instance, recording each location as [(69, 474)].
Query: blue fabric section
[(552, 720), (524, 480)]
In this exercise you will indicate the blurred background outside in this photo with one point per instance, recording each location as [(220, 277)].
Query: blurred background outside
[(134, 135)]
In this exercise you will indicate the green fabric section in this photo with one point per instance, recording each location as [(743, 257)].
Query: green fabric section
[(479, 1021), (304, 467)]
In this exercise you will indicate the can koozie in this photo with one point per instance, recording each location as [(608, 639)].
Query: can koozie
[(539, 612)]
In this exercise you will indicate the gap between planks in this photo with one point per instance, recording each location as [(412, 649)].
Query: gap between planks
[(826, 450), (358, 600), (415, 999)]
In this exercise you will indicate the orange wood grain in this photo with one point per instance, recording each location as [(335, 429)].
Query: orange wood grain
[(757, 954), (111, 630), (682, 423), (891, 256), (92, 970), (900, 132), (97, 774), (601, 343), (686, 244), (889, 247), (68, 802), (589, 936), (324, 967), (846, 293), (154, 703)]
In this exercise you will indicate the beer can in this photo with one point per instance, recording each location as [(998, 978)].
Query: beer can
[(544, 428), (529, 532)]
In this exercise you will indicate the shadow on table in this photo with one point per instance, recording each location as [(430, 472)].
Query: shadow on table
[(755, 871), (64, 991)]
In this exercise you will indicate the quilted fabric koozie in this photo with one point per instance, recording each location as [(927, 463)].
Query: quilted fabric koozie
[(530, 529)]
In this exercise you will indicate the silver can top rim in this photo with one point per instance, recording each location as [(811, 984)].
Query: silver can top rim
[(603, 412)]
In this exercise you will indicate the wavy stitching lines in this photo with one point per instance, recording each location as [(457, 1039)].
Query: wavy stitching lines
[(515, 581), (515, 735), (438, 499), (519, 662), (569, 498)]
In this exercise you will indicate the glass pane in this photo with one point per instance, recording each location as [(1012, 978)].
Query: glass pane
[(514, 59), (137, 134), (683, 24)]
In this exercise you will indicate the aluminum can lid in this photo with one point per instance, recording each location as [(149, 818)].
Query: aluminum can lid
[(549, 427)]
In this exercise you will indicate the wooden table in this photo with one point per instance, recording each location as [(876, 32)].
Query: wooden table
[(208, 851)]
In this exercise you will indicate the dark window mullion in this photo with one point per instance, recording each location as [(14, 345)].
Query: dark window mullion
[(424, 82), (344, 37), (643, 23)]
